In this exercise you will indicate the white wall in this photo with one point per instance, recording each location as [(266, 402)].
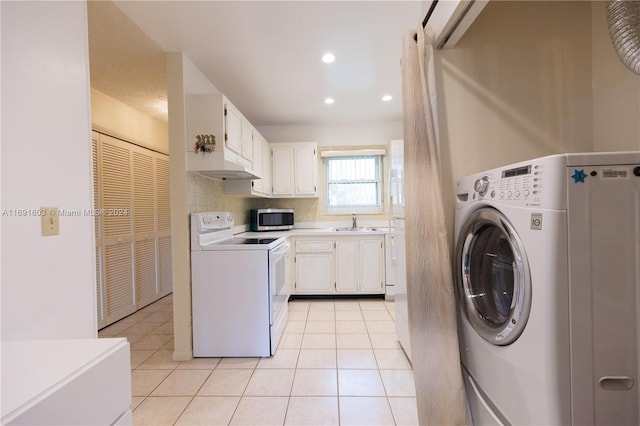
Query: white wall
[(616, 92), (111, 116), (48, 283), (370, 134), (517, 86), (182, 77)]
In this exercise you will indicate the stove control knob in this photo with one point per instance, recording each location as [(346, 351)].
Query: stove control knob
[(481, 185)]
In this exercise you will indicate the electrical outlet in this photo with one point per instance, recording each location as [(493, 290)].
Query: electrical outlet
[(50, 221)]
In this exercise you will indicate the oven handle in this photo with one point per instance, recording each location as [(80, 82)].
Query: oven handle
[(281, 249)]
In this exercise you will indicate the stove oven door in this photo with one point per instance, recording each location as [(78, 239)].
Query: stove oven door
[(279, 291)]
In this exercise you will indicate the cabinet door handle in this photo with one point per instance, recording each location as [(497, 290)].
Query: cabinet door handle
[(616, 383)]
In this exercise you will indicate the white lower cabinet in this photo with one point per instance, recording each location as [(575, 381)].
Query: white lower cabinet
[(371, 265), (314, 267), (339, 265), (346, 266)]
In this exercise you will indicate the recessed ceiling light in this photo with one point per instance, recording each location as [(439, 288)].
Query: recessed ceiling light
[(328, 58), (387, 98), (329, 101)]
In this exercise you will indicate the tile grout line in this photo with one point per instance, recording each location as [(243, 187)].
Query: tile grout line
[(296, 366), (196, 393), (295, 370)]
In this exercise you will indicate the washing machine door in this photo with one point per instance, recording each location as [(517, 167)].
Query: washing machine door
[(493, 283)]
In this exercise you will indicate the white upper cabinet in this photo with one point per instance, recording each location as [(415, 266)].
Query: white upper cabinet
[(286, 170), (247, 140), (306, 169), (233, 128), (266, 167), (282, 170), (224, 135), (295, 169), (261, 167), (257, 185)]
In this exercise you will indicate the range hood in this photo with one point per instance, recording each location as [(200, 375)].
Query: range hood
[(219, 140), (215, 165)]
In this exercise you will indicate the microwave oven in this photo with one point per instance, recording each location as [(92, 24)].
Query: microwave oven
[(271, 219)]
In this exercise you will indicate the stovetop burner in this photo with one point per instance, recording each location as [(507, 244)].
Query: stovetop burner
[(251, 240)]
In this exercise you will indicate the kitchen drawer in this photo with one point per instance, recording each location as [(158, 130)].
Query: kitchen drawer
[(314, 246)]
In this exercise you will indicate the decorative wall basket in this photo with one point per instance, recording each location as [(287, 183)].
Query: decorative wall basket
[(623, 18)]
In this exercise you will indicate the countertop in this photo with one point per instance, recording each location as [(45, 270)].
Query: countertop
[(315, 232)]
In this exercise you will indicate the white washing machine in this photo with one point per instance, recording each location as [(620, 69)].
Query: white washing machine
[(547, 277)]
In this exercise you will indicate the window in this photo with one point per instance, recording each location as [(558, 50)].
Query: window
[(354, 183)]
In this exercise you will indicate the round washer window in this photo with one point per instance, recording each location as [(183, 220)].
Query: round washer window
[(493, 283)]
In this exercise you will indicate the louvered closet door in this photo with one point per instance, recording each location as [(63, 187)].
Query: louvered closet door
[(96, 205), (144, 227), (133, 234), (163, 217), (115, 185)]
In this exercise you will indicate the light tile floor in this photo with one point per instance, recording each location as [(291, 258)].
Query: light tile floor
[(338, 363)]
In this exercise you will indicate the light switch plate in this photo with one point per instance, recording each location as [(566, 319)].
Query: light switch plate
[(50, 221)]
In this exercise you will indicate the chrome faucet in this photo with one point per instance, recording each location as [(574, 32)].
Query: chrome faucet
[(354, 223)]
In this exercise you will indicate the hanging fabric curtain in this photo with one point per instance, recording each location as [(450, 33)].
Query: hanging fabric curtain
[(432, 309)]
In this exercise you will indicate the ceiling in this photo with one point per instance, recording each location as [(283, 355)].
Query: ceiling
[(265, 56)]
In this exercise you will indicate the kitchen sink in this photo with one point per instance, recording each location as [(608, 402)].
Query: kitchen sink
[(350, 229)]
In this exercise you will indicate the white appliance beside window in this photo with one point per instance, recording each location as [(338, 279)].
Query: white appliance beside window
[(397, 235), (239, 289)]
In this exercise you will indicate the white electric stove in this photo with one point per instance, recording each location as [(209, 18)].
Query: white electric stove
[(239, 289), (214, 231)]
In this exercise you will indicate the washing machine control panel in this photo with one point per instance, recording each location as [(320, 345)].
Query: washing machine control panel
[(519, 183), (522, 184)]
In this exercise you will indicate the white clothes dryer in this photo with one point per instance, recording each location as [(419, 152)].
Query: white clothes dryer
[(547, 277)]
